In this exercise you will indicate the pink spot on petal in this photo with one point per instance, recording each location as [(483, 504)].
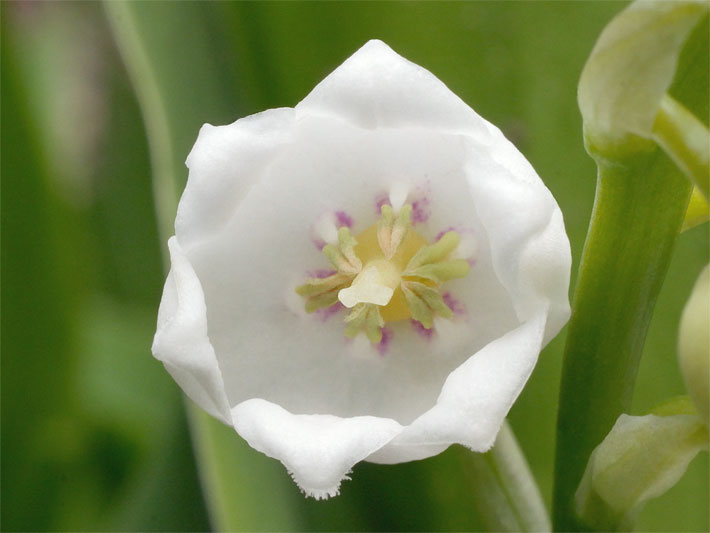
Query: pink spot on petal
[(327, 312), (420, 210), (318, 243), (444, 232), (320, 273), (421, 330), (455, 305), (343, 219), (383, 345), (380, 200)]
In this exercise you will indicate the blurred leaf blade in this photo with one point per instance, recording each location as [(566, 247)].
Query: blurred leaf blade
[(37, 368)]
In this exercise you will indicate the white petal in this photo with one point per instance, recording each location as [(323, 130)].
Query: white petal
[(318, 450), (224, 163), (246, 223), (466, 249), (325, 228), (529, 246), (475, 398), (246, 276), (181, 341), (398, 195), (376, 87)]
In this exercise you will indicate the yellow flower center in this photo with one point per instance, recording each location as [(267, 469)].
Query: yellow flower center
[(390, 270), (387, 273)]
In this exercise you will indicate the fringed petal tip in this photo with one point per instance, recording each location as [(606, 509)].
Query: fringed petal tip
[(319, 493)]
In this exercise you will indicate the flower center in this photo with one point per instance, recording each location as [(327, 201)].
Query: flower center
[(389, 270), (387, 273)]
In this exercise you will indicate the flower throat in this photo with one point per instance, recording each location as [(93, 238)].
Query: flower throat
[(387, 273)]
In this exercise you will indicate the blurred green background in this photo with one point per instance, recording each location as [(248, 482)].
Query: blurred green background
[(94, 431)]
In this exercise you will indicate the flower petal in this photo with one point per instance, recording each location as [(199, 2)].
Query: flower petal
[(376, 87), (475, 398), (224, 164), (318, 450), (249, 276), (531, 258), (529, 246), (181, 341)]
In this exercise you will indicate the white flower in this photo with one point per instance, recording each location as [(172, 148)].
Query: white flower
[(265, 200)]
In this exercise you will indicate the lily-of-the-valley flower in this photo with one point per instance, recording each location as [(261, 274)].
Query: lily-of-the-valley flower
[(370, 275)]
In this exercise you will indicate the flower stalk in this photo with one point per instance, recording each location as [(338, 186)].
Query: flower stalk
[(640, 205), (505, 493), (631, 237)]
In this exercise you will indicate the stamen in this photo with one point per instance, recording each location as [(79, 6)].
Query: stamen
[(367, 317), (427, 262), (424, 301), (392, 229), (343, 256), (388, 273), (323, 292)]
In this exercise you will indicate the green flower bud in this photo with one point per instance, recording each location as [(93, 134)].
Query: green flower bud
[(630, 70), (694, 344)]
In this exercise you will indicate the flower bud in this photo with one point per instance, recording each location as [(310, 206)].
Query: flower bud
[(630, 70), (694, 344)]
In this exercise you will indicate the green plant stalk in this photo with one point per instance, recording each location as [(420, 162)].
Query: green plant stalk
[(152, 106), (638, 211), (230, 498), (504, 492)]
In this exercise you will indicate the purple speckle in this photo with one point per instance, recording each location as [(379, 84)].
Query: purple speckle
[(420, 210), (320, 273), (383, 345), (421, 330), (325, 313), (343, 219), (318, 243), (380, 200), (420, 207), (456, 306), (444, 232)]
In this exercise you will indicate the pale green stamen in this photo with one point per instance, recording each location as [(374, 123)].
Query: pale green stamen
[(392, 228), (343, 256), (392, 275), (367, 317)]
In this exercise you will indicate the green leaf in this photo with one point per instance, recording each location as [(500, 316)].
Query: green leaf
[(641, 458)]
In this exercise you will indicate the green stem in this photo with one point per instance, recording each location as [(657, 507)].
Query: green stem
[(231, 501), (505, 494), (151, 103), (686, 140), (638, 211)]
